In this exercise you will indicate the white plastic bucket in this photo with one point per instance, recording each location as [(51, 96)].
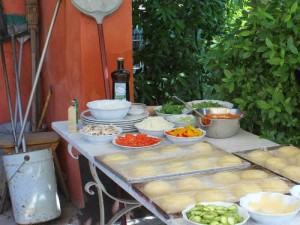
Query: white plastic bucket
[(32, 186)]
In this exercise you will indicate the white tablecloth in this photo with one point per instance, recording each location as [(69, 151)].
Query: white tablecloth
[(241, 141)]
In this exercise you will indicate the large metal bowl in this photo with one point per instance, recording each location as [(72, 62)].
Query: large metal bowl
[(219, 128)]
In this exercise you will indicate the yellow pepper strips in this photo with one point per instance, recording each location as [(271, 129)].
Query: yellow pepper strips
[(187, 131)]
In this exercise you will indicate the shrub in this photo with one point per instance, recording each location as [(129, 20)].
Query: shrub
[(255, 65)]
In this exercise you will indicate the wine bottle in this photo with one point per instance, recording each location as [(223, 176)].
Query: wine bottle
[(120, 79)]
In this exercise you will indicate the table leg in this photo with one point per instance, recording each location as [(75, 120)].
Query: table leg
[(129, 204)]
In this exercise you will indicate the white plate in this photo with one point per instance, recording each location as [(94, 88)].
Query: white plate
[(129, 147), (129, 119)]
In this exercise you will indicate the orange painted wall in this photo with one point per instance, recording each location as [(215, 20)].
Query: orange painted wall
[(73, 66), (14, 7)]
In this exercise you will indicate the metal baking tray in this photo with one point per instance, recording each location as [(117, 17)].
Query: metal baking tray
[(168, 161), (211, 186), (271, 159)]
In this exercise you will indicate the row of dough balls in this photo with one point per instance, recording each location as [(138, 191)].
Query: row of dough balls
[(181, 166), (279, 164), (284, 155), (202, 147), (173, 203), (161, 187)]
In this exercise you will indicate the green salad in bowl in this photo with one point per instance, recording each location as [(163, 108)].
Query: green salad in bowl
[(168, 109)]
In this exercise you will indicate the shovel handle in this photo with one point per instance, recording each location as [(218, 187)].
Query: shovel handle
[(104, 61)]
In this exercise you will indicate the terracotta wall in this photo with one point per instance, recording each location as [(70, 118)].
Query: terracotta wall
[(73, 65)]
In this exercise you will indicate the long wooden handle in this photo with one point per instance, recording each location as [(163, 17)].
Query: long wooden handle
[(39, 126), (104, 61)]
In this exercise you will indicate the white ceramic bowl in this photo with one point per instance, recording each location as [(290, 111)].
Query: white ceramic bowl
[(155, 133), (109, 109), (100, 138), (182, 120), (185, 140), (154, 126), (137, 109), (268, 218), (295, 191), (241, 211)]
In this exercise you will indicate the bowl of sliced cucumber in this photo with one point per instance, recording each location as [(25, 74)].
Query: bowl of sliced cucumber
[(215, 213)]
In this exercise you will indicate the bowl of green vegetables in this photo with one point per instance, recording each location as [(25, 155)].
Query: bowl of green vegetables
[(182, 120), (169, 109), (215, 213), (196, 104)]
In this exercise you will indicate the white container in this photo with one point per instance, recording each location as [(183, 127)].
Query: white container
[(32, 186), (109, 109), (270, 218), (185, 140), (241, 212), (182, 120)]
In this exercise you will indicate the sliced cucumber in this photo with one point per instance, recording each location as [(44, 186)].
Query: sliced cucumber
[(215, 215)]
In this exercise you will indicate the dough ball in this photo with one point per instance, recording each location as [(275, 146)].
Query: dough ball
[(224, 177), (288, 151), (274, 185), (171, 149), (292, 172), (146, 154), (157, 188), (176, 202), (229, 160), (253, 175), (202, 147), (201, 163), (176, 167), (259, 156), (275, 163), (115, 158), (189, 184), (297, 159), (143, 170), (243, 189), (211, 195)]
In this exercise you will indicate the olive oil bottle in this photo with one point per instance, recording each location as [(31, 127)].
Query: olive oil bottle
[(120, 80)]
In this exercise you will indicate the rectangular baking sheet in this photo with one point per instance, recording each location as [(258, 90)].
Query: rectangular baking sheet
[(283, 163), (226, 190), (173, 160)]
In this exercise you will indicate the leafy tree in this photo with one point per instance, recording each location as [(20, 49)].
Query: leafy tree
[(176, 36), (255, 65)]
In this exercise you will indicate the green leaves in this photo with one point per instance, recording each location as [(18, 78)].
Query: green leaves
[(291, 46), (259, 79), (263, 104)]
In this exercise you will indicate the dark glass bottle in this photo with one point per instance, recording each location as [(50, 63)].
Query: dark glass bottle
[(120, 80)]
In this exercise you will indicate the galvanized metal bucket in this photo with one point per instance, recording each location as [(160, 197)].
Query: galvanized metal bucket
[(32, 186)]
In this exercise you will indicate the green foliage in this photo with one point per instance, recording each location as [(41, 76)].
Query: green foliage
[(176, 36), (255, 66)]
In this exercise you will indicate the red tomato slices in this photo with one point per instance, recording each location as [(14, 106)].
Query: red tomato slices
[(136, 140)]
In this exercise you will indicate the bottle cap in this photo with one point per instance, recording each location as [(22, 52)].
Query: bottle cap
[(120, 59)]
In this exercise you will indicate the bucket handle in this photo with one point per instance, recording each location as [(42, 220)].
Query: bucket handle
[(26, 158)]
